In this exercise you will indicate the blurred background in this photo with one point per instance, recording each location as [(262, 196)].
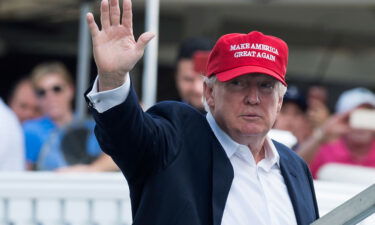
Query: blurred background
[(331, 50), (332, 42)]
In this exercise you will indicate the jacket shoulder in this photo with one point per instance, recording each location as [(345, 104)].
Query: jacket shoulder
[(285, 151)]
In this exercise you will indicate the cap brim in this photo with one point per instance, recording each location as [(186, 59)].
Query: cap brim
[(243, 70)]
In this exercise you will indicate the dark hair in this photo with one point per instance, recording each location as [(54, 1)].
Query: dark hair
[(189, 46), (15, 86), (295, 95)]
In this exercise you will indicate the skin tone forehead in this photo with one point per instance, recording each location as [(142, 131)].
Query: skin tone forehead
[(253, 77), (185, 69), (249, 78), (257, 79)]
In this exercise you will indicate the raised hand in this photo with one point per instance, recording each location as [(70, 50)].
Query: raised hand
[(335, 126), (114, 47)]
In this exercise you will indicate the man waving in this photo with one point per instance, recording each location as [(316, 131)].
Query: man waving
[(185, 168)]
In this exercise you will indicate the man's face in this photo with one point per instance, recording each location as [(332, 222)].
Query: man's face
[(24, 102), (246, 106), (289, 113), (189, 83), (55, 95), (293, 119)]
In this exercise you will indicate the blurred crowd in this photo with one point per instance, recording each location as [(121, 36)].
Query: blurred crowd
[(40, 131), (319, 136)]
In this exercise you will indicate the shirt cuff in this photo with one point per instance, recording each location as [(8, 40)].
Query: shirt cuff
[(104, 100)]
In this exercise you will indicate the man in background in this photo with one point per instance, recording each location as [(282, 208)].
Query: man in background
[(293, 116), (58, 141), (189, 80)]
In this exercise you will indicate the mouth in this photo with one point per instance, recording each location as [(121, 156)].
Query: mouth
[(250, 116)]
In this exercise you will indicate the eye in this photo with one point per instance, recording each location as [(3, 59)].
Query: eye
[(236, 83), (267, 84), (188, 79)]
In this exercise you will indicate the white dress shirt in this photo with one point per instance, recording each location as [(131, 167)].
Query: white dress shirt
[(12, 153), (104, 100), (258, 194)]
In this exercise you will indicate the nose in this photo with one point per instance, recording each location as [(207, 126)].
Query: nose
[(49, 95), (252, 96)]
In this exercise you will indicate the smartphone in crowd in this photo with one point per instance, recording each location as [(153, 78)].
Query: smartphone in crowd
[(362, 119)]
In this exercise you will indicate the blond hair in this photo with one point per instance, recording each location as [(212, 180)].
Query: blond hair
[(44, 69)]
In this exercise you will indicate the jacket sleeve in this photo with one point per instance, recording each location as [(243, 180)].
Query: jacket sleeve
[(141, 143)]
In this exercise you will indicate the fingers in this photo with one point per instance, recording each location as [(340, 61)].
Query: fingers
[(115, 12), (127, 16), (344, 117), (94, 30), (143, 40), (104, 15)]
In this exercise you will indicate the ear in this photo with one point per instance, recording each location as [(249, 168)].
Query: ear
[(208, 94), (279, 104)]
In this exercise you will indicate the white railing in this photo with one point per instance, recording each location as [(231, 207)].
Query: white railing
[(333, 194), (69, 199), (44, 198), (354, 211), (347, 173), (352, 180)]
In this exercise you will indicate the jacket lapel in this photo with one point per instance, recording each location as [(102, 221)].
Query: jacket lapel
[(292, 182), (222, 177)]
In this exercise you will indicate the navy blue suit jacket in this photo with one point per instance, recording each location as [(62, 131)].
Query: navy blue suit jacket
[(177, 171)]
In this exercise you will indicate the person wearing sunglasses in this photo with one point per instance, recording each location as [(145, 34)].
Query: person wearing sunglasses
[(57, 141)]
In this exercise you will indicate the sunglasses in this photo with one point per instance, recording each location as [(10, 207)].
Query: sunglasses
[(41, 93)]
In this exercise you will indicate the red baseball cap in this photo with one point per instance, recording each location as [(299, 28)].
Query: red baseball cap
[(238, 54)]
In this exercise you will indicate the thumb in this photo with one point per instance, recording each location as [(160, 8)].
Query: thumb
[(144, 39)]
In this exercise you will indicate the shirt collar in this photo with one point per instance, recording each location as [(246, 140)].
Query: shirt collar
[(230, 146)]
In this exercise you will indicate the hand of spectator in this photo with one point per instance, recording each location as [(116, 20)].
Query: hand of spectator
[(114, 47), (317, 112), (334, 127)]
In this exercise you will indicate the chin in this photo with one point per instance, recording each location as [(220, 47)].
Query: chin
[(253, 131), (198, 105), (54, 114)]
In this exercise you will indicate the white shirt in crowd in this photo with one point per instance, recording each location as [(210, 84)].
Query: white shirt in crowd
[(258, 194), (12, 153)]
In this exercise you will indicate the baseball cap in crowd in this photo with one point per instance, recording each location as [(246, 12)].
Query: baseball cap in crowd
[(294, 95), (353, 98), (238, 54)]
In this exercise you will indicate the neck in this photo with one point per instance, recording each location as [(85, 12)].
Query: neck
[(257, 149), (256, 146), (63, 120)]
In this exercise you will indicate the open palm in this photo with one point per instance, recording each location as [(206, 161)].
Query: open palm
[(115, 49)]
